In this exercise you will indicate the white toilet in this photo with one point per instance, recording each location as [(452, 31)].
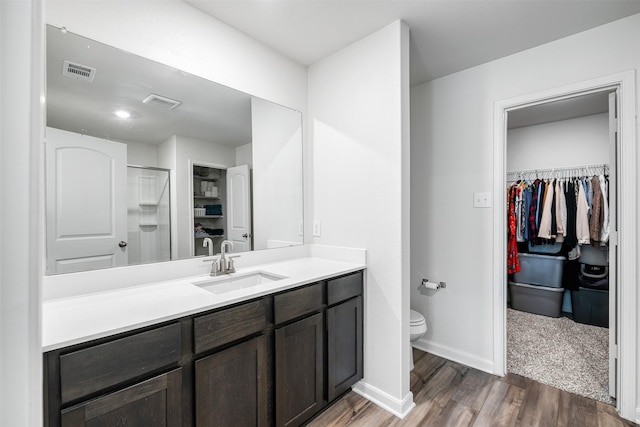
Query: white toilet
[(417, 329)]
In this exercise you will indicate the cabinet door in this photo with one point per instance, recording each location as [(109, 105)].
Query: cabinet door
[(231, 386), (155, 402), (299, 370), (344, 346)]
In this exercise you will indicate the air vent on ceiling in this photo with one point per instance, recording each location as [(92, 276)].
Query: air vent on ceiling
[(161, 102), (77, 71)]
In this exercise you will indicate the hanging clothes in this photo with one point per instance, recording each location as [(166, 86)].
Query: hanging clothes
[(533, 211), (604, 236), (597, 213), (513, 261), (572, 212), (528, 195), (563, 209), (519, 212), (582, 215), (571, 238), (559, 206), (545, 223)]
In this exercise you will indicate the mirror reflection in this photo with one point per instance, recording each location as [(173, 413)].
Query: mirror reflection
[(145, 163)]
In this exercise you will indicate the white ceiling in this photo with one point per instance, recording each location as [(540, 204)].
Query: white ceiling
[(446, 35)]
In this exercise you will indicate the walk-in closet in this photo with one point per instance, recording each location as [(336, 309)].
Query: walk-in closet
[(560, 187)]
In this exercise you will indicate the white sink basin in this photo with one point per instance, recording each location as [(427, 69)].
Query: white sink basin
[(236, 281)]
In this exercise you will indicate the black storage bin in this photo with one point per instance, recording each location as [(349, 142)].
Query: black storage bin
[(591, 306)]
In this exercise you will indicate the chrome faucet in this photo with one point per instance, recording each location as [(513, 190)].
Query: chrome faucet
[(208, 243), (224, 264)]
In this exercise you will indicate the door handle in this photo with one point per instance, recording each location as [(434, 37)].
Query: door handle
[(246, 236), (122, 244)]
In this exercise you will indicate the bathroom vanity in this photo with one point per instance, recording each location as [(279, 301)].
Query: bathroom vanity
[(276, 358)]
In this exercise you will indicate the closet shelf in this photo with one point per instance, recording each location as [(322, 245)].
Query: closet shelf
[(208, 216)]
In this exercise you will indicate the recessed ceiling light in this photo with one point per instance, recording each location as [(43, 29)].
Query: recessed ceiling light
[(123, 114)]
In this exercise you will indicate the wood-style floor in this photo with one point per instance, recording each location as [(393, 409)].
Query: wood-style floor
[(450, 394)]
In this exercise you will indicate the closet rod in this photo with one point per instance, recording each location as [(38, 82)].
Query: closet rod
[(564, 172)]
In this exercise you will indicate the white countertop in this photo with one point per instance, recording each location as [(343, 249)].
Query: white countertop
[(76, 319)]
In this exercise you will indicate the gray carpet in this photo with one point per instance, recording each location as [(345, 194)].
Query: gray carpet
[(559, 352)]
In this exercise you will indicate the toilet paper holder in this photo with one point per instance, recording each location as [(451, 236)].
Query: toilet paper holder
[(432, 286)]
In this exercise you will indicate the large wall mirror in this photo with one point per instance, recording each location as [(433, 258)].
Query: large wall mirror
[(146, 163)]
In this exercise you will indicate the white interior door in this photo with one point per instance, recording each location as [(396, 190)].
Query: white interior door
[(613, 245), (86, 202), (239, 207)]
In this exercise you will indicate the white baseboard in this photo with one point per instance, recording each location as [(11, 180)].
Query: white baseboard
[(455, 355), (399, 408)]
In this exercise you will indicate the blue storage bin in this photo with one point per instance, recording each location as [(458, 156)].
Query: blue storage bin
[(541, 270), (566, 302), (545, 248), (536, 299)]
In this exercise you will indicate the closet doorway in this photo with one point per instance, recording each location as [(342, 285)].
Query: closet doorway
[(624, 170), (561, 163)]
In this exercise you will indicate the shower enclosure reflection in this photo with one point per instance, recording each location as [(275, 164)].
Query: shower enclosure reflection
[(148, 215)]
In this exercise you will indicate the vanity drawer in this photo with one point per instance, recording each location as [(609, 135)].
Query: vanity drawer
[(298, 302), (224, 326), (92, 369), (343, 288)]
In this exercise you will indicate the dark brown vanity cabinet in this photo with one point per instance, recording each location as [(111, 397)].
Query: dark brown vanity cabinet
[(344, 334), (154, 402), (231, 384), (276, 360), (130, 380), (299, 354)]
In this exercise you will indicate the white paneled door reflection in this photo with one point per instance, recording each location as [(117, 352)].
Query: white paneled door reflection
[(86, 202)]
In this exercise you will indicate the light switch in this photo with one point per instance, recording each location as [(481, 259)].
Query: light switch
[(481, 200)]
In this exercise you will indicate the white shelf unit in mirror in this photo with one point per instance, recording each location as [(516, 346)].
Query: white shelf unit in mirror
[(209, 202)]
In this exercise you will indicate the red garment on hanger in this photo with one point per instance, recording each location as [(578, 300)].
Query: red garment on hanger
[(513, 261)]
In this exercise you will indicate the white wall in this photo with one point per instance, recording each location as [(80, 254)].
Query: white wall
[(167, 159), (277, 174), (452, 157), (140, 154), (244, 155), (358, 100), (21, 208), (574, 142)]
